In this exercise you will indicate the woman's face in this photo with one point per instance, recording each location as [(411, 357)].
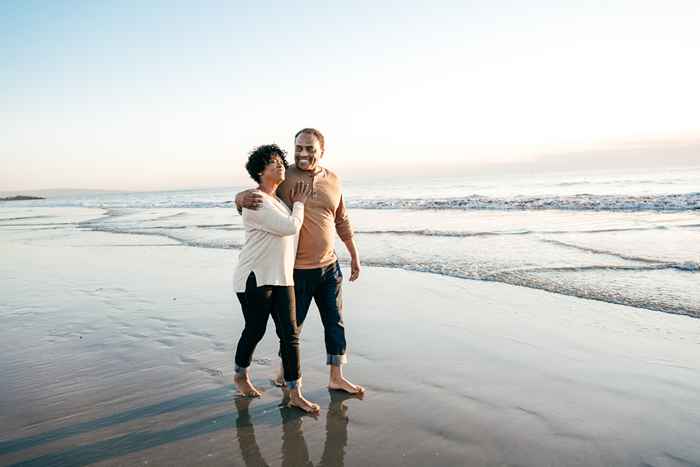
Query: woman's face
[(274, 171)]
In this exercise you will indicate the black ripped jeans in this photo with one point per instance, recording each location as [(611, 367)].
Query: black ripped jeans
[(258, 303)]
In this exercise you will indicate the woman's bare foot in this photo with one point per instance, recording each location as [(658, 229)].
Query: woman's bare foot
[(296, 399), (245, 387)]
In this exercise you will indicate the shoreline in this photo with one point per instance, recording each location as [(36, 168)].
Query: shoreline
[(21, 198), (548, 286)]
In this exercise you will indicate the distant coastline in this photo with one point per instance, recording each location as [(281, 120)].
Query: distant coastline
[(21, 198)]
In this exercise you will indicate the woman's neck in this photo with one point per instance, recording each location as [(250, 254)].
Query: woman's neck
[(268, 187)]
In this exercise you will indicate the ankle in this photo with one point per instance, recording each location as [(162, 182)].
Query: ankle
[(240, 373), (241, 378)]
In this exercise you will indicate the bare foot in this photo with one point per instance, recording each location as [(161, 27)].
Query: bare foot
[(342, 384), (245, 387), (279, 379), (298, 401)]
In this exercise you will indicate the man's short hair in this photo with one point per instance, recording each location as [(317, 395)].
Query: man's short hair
[(316, 133), (261, 156)]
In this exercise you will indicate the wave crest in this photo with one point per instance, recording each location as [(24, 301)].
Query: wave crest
[(581, 202)]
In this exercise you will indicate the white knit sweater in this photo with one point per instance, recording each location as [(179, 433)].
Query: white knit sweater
[(271, 237)]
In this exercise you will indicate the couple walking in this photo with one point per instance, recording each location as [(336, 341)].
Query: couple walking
[(288, 259)]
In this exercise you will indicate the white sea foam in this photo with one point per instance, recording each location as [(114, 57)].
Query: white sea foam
[(580, 202)]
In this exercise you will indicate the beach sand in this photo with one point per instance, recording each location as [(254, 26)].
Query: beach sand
[(117, 350)]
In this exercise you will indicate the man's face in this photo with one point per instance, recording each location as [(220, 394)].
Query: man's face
[(307, 151)]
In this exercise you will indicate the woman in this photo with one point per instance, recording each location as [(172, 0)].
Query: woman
[(264, 280)]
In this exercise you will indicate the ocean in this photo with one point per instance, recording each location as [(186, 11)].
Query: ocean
[(626, 237)]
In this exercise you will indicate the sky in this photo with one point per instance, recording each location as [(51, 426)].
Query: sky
[(173, 94)]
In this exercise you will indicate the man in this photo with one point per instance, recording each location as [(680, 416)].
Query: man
[(317, 273)]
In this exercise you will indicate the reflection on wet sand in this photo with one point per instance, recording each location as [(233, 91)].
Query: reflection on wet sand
[(132, 439), (336, 430), (295, 451), (245, 433)]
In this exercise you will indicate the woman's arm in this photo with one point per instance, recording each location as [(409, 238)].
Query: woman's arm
[(270, 219)]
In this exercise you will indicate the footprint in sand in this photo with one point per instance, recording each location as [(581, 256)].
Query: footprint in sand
[(212, 372)]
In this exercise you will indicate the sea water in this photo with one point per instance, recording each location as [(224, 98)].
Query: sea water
[(626, 237)]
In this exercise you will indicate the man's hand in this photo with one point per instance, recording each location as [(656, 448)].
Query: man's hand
[(249, 200), (354, 268), (354, 258)]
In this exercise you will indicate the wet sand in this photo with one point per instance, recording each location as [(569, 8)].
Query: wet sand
[(117, 350)]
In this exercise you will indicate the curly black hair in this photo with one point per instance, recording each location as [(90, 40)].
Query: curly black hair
[(261, 156)]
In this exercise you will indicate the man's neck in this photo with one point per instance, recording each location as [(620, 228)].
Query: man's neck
[(315, 171)]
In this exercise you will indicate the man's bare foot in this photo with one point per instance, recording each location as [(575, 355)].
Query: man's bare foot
[(339, 383), (296, 399), (245, 387)]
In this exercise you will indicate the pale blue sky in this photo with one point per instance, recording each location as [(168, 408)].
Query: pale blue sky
[(148, 94)]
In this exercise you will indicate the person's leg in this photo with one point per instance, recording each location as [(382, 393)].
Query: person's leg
[(284, 313), (284, 316), (255, 303), (329, 299), (305, 283)]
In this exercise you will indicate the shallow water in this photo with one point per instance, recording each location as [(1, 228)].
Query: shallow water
[(628, 238)]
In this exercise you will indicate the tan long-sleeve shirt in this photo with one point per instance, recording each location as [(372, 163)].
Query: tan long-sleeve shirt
[(324, 215)]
